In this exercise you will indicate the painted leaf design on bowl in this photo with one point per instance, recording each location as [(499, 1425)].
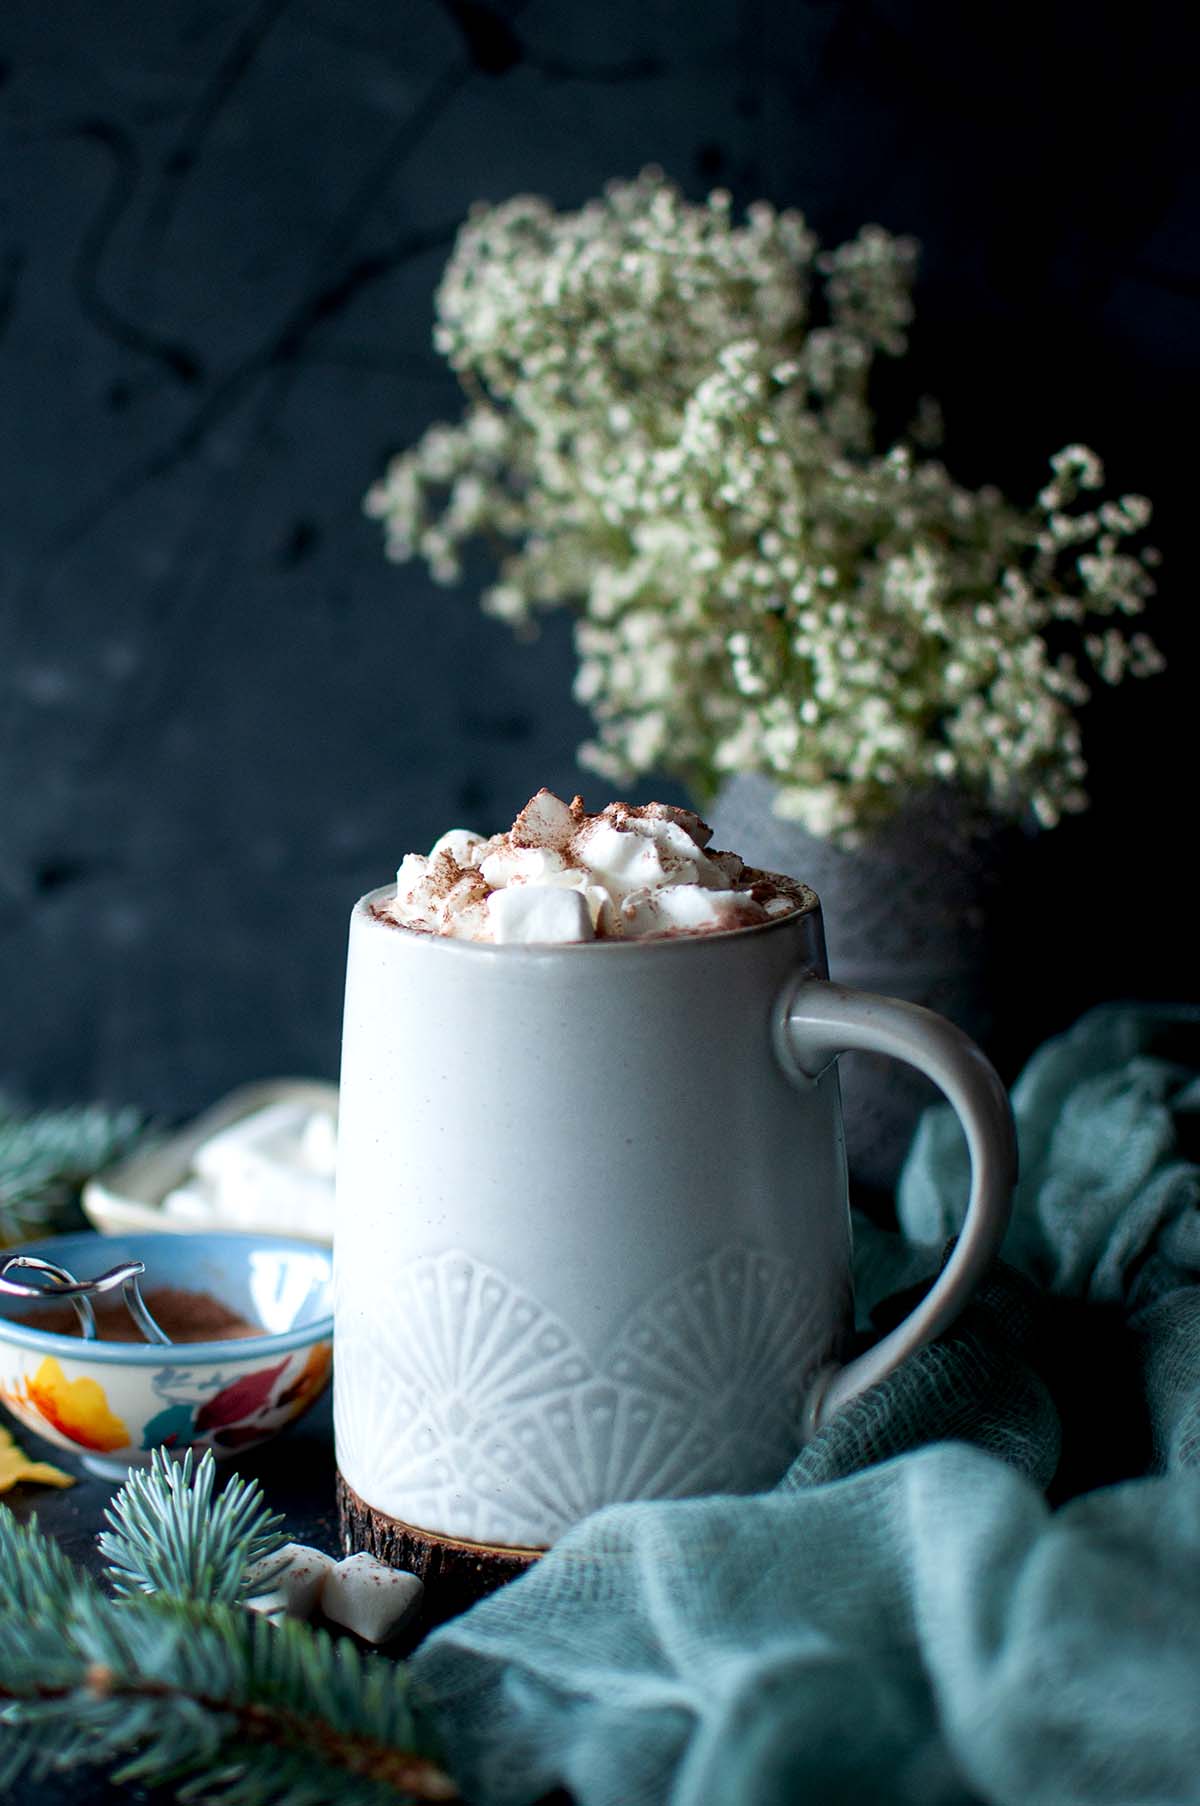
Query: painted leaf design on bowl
[(309, 1381), (241, 1399), (76, 1408), (169, 1428)]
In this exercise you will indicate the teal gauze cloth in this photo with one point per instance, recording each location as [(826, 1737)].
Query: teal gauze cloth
[(980, 1583)]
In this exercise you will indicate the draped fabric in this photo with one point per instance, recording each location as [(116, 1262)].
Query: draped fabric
[(980, 1583)]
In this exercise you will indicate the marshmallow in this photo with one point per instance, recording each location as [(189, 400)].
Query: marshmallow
[(696, 830), (462, 910), (561, 875), (411, 876), (600, 904), (601, 908), (462, 844), (729, 865), (679, 850), (369, 1598), (539, 912), (545, 821), (667, 835), (521, 865), (414, 902), (624, 861), (687, 908), (294, 1587)]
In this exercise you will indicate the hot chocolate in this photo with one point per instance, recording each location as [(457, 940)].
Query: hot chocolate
[(562, 875), (182, 1315)]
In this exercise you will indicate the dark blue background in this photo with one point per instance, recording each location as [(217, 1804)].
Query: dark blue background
[(223, 715)]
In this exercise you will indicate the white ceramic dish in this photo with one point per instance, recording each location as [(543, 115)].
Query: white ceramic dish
[(127, 1197)]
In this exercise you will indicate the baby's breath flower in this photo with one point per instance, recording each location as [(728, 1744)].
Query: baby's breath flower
[(660, 437)]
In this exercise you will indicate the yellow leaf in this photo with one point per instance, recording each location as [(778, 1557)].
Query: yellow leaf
[(16, 1466)]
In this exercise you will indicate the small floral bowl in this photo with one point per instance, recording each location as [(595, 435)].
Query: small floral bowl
[(113, 1402)]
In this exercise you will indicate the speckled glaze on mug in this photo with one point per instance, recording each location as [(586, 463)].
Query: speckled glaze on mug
[(592, 1231)]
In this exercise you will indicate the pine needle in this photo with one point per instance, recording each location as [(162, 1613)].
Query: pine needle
[(169, 1535), (161, 1688), (45, 1158)]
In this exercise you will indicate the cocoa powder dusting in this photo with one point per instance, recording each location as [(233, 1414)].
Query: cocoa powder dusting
[(444, 873), (182, 1315), (451, 885)]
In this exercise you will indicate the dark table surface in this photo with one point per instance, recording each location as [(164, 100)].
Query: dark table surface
[(296, 1472)]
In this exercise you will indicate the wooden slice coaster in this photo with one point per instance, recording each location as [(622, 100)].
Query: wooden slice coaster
[(456, 1573)]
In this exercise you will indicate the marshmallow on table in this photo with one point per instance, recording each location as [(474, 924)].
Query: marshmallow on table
[(293, 1590), (361, 1594), (369, 1598), (539, 912)]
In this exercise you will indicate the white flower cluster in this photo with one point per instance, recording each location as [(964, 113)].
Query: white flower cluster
[(668, 430)]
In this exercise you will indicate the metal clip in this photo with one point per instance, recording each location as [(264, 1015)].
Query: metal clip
[(82, 1291)]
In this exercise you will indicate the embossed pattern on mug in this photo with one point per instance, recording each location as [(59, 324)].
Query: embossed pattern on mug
[(467, 1405)]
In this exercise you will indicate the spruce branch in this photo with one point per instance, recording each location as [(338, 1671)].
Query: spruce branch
[(46, 1157), (161, 1689), (170, 1535), (39, 1580), (243, 1712)]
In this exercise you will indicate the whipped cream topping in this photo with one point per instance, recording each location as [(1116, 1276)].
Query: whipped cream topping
[(560, 875)]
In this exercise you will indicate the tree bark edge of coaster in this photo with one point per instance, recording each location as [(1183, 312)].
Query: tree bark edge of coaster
[(456, 1573)]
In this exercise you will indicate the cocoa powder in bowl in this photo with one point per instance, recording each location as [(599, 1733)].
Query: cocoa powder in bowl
[(182, 1315)]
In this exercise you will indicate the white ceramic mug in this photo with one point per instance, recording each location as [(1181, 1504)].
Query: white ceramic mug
[(592, 1232)]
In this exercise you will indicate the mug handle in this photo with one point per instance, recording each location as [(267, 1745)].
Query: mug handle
[(817, 1021)]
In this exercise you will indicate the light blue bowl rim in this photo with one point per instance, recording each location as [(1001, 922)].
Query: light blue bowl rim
[(176, 1354)]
